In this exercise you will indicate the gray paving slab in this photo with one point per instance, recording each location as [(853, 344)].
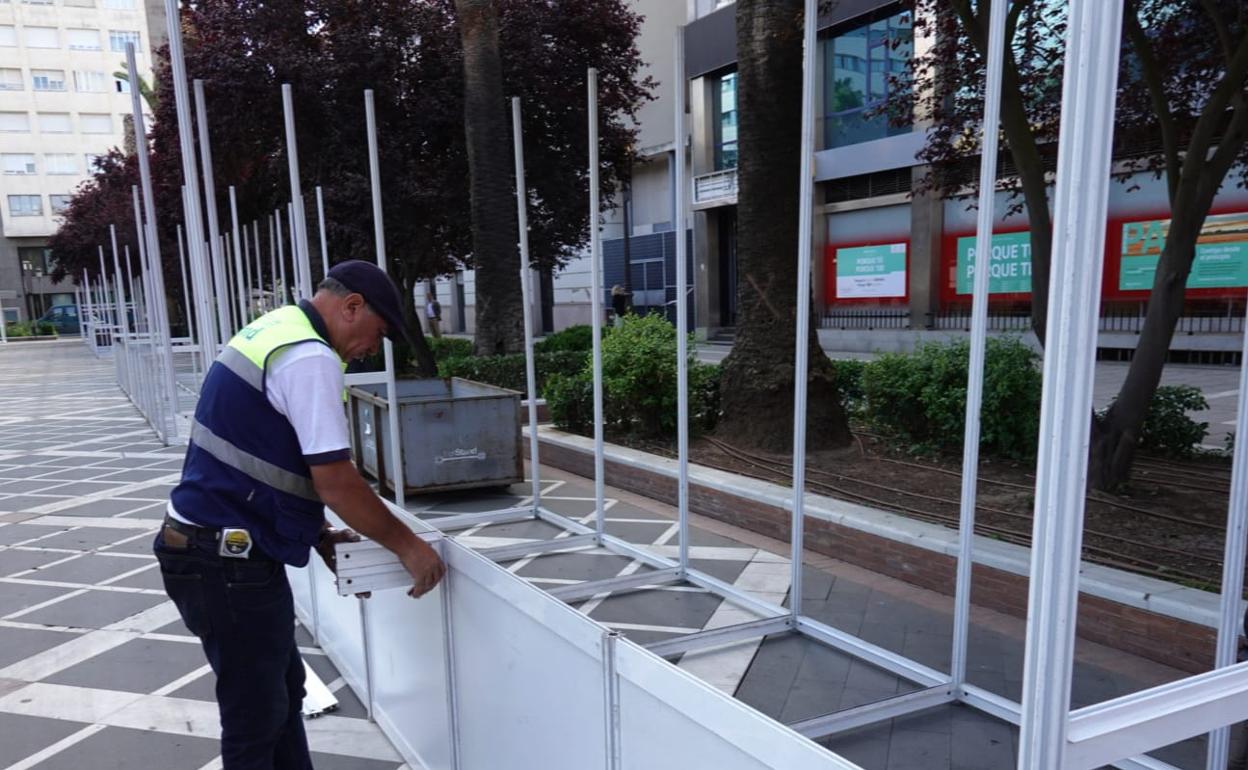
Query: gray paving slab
[(19, 559), (138, 544), (177, 628), (139, 665), (73, 474), (26, 502), (530, 529), (635, 532), (83, 488), (156, 492), (89, 569), (575, 566), (27, 485), (18, 596), (86, 538), (684, 609), (130, 476), (117, 748), (204, 688), (94, 609), (107, 507), (21, 643), (339, 762), (148, 578), (22, 735), (155, 511)]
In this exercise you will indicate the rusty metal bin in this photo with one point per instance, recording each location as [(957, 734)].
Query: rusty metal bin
[(454, 434)]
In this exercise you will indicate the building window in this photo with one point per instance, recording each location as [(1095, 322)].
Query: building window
[(59, 203), (17, 163), (47, 80), (25, 206), (8, 35), (42, 37), (14, 122), (859, 64), (60, 163), (119, 5), (55, 123), (117, 39), (10, 79), (36, 2), (725, 96), (121, 86), (96, 124), (83, 39), (90, 82), (92, 158), (36, 260), (79, 3)]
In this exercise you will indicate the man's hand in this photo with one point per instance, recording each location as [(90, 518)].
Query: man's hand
[(424, 565), (331, 537)]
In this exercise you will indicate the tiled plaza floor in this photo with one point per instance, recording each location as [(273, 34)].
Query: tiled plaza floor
[(97, 671)]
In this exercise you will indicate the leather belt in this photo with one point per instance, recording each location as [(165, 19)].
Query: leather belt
[(232, 542)]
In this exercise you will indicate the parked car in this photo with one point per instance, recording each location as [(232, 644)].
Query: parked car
[(64, 318)]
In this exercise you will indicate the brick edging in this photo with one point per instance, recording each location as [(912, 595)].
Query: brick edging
[(1172, 641)]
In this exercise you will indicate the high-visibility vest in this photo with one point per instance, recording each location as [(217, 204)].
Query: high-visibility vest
[(244, 466)]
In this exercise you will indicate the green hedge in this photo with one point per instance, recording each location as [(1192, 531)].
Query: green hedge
[(1167, 429), (30, 329), (509, 371), (573, 338), (449, 347)]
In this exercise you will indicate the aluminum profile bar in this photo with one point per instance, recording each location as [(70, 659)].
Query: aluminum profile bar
[(122, 315), (320, 224), (682, 312), (239, 280), (717, 637), (611, 701), (872, 653), (259, 282), (379, 237), (871, 713), (284, 296), (247, 278), (595, 295), (1089, 90), (296, 263), (805, 206), (299, 248), (520, 550), (979, 333), (214, 230), (619, 584), (367, 566), (466, 520), (526, 292)]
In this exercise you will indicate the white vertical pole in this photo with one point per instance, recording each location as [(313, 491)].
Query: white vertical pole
[(682, 312), (526, 289), (273, 230), (281, 258), (979, 326), (595, 293), (156, 412), (109, 298), (379, 236), (296, 264), (320, 222), (299, 242), (214, 230), (122, 314), (805, 205), (186, 302), (247, 274), (1080, 196), (238, 262), (205, 326), (259, 282), (87, 310), (134, 298)]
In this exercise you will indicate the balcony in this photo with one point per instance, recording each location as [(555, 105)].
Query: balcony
[(718, 188)]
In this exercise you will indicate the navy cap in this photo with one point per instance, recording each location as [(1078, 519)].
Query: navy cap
[(372, 283)]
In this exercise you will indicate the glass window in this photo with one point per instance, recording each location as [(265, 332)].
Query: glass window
[(10, 79), (92, 158), (858, 64), (25, 206), (83, 39), (117, 39), (60, 163), (8, 35), (119, 5), (36, 259), (42, 37), (90, 82), (96, 124), (14, 122), (121, 86), (58, 203), (726, 122), (17, 163), (55, 123), (47, 80)]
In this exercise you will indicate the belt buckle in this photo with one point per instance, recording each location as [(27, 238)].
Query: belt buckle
[(235, 543)]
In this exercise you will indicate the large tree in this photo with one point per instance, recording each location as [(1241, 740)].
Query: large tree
[(758, 375), (1182, 113)]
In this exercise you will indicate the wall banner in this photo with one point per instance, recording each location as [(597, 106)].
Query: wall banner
[(1221, 253), (864, 272), (1010, 265)]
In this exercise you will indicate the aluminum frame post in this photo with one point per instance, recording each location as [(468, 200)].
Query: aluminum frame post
[(299, 246), (122, 314), (1089, 89), (110, 298), (379, 237), (259, 283), (202, 290), (87, 310), (281, 255), (186, 302), (682, 312), (526, 291), (296, 263), (156, 417), (320, 223), (595, 293), (238, 261), (979, 333), (805, 203), (246, 252), (273, 230), (214, 230)]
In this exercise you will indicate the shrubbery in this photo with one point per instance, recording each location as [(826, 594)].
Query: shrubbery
[(449, 347), (921, 397), (509, 371), (30, 329), (1167, 429), (579, 337)]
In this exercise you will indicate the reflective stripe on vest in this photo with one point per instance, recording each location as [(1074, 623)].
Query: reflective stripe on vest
[(258, 469)]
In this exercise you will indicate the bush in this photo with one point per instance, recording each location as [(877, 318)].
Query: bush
[(449, 347), (509, 371), (45, 328), (579, 337), (639, 383), (848, 374), (1167, 428), (18, 329), (921, 397)]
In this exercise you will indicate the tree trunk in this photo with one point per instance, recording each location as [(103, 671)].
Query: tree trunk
[(499, 315), (758, 375)]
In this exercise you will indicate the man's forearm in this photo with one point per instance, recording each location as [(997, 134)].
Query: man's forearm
[(362, 510)]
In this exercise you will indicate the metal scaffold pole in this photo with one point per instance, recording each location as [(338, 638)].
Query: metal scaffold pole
[(214, 231), (299, 240), (526, 291), (595, 292)]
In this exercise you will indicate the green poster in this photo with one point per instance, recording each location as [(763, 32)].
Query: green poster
[(1221, 253), (1009, 268), (871, 271)]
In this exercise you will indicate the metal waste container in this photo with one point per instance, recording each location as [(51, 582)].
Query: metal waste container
[(453, 434)]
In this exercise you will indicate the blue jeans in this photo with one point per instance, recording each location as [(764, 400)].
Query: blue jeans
[(243, 613)]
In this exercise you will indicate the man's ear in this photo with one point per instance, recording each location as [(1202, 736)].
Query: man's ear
[(353, 304)]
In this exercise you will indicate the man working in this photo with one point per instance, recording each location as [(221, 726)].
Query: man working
[(269, 449)]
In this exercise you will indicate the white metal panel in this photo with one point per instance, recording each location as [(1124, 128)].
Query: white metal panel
[(338, 628), (670, 719)]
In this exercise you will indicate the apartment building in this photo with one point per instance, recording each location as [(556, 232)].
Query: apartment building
[(60, 107)]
